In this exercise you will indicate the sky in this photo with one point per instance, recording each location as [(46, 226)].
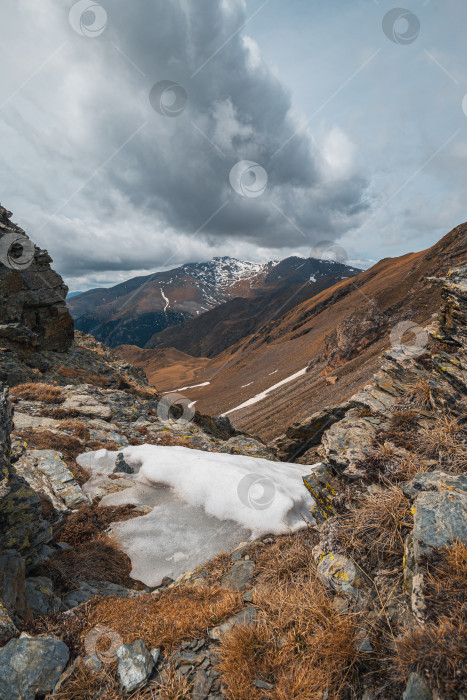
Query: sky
[(138, 136)]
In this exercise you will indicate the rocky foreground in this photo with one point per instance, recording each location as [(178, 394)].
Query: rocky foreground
[(367, 603)]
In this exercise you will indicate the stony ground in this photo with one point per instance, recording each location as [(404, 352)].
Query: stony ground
[(370, 603)]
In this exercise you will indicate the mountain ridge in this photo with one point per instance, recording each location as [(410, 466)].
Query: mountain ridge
[(135, 310)]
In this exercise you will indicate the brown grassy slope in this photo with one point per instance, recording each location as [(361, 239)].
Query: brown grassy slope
[(399, 288)]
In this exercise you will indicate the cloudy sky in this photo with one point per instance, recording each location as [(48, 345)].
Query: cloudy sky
[(140, 135)]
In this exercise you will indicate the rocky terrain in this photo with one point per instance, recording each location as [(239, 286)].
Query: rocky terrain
[(367, 602), (138, 310)]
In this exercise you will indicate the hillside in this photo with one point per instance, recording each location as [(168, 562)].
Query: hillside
[(338, 333), (134, 311)]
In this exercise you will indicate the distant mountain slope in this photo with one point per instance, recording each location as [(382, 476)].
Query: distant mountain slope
[(214, 331), (317, 353), (132, 312)]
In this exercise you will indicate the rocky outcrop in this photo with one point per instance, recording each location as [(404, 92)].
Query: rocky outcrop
[(22, 527), (33, 312)]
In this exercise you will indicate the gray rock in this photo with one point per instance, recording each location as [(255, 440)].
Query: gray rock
[(323, 486), (248, 616), (417, 688), (40, 597), (30, 667), (435, 482), (87, 405), (33, 298), (135, 665), (240, 576), (263, 684), (12, 585), (339, 573), (121, 466), (92, 662), (202, 684), (7, 626), (439, 518), (155, 653), (90, 589), (46, 472)]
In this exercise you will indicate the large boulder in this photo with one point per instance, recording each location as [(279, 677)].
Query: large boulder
[(30, 667), (33, 311)]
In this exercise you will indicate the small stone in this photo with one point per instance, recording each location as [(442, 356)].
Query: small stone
[(92, 663), (263, 684), (202, 684), (135, 665), (417, 688), (30, 667), (248, 616), (155, 653), (240, 576)]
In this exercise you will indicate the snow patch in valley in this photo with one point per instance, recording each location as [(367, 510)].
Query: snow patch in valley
[(202, 503), (184, 388), (263, 394)]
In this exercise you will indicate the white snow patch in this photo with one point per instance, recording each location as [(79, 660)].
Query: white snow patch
[(184, 388), (203, 503), (260, 397), (275, 372), (244, 385), (165, 299)]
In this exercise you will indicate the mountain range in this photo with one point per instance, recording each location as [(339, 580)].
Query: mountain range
[(138, 310), (261, 360)]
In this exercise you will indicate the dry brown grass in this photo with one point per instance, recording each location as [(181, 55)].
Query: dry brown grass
[(59, 413), (437, 651), (83, 684), (217, 568), (286, 559), (445, 441), (445, 582), (38, 392), (97, 560), (77, 427), (69, 446), (388, 464), (167, 619), (376, 527), (89, 522), (418, 395), (301, 644)]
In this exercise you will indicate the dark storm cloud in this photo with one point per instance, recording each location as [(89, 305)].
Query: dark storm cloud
[(122, 185)]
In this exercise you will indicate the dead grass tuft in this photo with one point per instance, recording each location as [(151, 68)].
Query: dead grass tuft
[(445, 441), (389, 464), (418, 395), (376, 527), (285, 559), (77, 427), (436, 651), (445, 582), (58, 413), (38, 392), (97, 560), (89, 522)]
